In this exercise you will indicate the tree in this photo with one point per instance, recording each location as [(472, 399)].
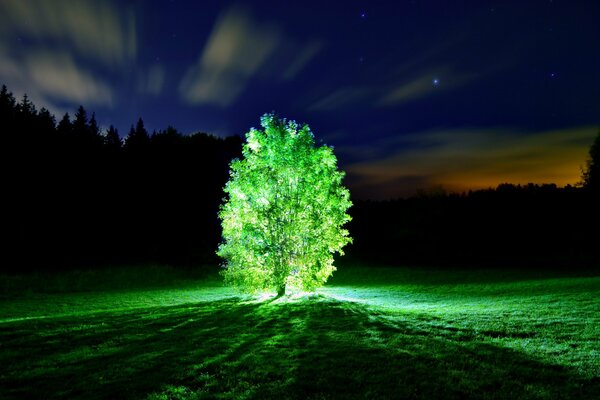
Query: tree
[(46, 121), (26, 107), (112, 140), (93, 128), (282, 220), (7, 104), (64, 126), (591, 175), (138, 138), (80, 123)]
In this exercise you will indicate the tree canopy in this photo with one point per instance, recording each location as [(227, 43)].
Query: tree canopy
[(285, 210)]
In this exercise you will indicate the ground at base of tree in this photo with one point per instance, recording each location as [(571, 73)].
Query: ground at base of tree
[(369, 333)]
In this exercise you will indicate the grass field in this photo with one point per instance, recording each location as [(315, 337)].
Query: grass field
[(371, 333)]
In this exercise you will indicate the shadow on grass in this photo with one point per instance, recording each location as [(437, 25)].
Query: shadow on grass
[(317, 349)]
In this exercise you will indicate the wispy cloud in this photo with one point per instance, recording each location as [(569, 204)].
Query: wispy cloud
[(415, 89), (394, 91), (432, 82), (9, 69), (471, 159), (395, 82), (57, 76), (237, 49), (341, 98), (94, 29), (54, 77), (56, 51), (304, 55), (151, 81)]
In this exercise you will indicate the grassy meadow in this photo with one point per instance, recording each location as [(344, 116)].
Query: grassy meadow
[(370, 333)]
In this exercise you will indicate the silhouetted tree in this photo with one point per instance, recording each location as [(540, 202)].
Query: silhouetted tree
[(47, 122), (75, 200), (64, 125), (112, 140), (93, 128), (138, 138), (25, 120), (7, 103), (591, 175), (26, 108), (7, 118), (80, 123)]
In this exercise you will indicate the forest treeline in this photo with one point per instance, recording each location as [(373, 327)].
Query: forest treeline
[(540, 226), (76, 197)]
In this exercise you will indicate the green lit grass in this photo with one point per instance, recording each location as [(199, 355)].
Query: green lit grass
[(370, 333)]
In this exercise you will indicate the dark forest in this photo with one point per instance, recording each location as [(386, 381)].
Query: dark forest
[(79, 196)]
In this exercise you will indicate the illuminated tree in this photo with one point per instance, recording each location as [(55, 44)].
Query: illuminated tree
[(283, 216)]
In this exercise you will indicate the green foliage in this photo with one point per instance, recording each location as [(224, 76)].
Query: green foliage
[(282, 221)]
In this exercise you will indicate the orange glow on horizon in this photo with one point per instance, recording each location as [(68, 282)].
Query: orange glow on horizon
[(459, 161)]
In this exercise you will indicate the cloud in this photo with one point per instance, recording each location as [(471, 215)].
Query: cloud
[(94, 29), (392, 91), (340, 98), (48, 49), (151, 82), (236, 51), (395, 82), (303, 56), (423, 85), (413, 90), (473, 159), (9, 69), (49, 76), (56, 75)]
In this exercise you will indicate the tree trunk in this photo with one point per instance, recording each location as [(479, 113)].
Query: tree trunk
[(281, 290)]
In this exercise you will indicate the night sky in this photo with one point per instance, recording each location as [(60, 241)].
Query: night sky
[(412, 94)]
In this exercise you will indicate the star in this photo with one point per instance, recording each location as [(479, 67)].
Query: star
[(436, 82), (363, 15)]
